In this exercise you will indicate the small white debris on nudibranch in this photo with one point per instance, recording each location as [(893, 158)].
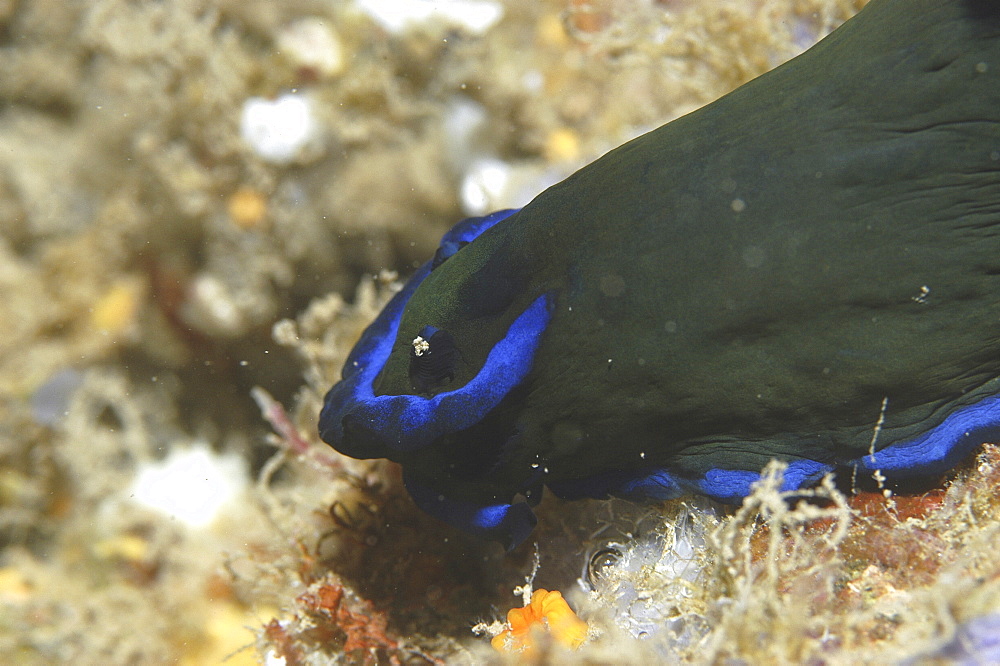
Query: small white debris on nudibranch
[(420, 346), (925, 291)]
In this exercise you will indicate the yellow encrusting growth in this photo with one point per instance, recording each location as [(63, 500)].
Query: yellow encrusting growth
[(247, 208), (115, 310), (548, 611), (128, 547), (562, 145)]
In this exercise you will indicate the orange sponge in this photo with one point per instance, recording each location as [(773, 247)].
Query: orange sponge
[(548, 611)]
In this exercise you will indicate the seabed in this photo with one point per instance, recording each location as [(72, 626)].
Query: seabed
[(202, 204)]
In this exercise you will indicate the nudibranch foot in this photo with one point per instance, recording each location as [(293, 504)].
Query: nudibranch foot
[(940, 448), (932, 453), (729, 486), (510, 523)]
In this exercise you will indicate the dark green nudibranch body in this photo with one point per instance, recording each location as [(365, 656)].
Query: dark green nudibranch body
[(768, 277)]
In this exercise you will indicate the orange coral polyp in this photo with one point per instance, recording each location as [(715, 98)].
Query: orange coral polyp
[(547, 611)]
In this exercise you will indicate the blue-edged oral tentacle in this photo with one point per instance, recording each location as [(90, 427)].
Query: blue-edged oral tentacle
[(360, 424), (363, 365)]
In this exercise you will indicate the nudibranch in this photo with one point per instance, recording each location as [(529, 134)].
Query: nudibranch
[(807, 269)]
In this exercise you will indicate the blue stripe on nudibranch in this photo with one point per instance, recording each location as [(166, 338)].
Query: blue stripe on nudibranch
[(724, 485), (731, 486), (934, 452), (941, 448)]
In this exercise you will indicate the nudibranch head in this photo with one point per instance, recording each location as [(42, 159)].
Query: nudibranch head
[(361, 421)]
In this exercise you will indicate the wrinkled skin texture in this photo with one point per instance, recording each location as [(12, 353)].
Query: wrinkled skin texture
[(755, 280)]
